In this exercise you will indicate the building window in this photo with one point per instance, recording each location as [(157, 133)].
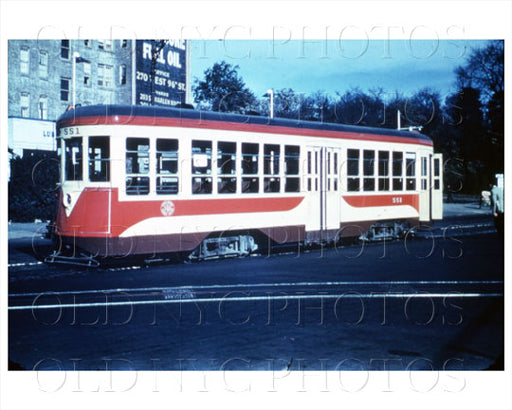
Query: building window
[(64, 89), (43, 108), (104, 75), (25, 105), (64, 49), (43, 64), (87, 73), (137, 164), (105, 45), (122, 74), (24, 60)]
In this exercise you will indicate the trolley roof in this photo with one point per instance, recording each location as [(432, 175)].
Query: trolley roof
[(183, 117)]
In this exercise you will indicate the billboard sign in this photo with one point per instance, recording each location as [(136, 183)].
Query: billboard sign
[(160, 74)]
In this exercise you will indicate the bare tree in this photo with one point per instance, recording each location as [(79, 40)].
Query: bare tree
[(484, 70)]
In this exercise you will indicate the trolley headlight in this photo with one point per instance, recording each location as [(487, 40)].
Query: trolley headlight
[(67, 200)]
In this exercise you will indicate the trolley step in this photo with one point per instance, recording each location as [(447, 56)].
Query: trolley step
[(81, 260)]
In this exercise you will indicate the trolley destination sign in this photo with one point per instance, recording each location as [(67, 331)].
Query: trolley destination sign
[(160, 76)]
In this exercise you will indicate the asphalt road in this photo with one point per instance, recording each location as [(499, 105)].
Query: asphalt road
[(432, 303)]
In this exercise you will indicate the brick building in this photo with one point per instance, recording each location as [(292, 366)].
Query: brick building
[(40, 82)]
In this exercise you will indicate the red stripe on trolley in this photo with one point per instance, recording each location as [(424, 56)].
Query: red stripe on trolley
[(91, 212), (362, 201), (229, 126)]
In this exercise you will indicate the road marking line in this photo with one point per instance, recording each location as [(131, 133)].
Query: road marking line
[(14, 265), (259, 285), (261, 298)]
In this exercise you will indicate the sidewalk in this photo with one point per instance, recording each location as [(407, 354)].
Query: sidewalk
[(26, 230), (465, 209)]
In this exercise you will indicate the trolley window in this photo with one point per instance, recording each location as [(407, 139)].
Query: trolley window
[(353, 170), (137, 155), (332, 172), (410, 171), (437, 167), (226, 158), (383, 171), (424, 173), (271, 155), (292, 159), (250, 154), (226, 167), (398, 160), (291, 162), (73, 159), (167, 182), (250, 159), (272, 184), (250, 185), (201, 167), (271, 159), (137, 163), (99, 159), (424, 167), (369, 170), (353, 162), (201, 157), (137, 185)]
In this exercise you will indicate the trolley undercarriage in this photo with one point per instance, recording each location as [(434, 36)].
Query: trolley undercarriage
[(91, 252)]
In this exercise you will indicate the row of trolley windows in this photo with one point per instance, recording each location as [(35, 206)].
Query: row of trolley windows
[(98, 159), (167, 167), (367, 170), (381, 170)]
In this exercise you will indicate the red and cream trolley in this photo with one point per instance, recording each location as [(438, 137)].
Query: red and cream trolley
[(146, 180)]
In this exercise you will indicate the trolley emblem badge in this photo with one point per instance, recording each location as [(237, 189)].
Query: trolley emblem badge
[(167, 208)]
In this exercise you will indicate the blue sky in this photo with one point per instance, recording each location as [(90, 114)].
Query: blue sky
[(330, 66)]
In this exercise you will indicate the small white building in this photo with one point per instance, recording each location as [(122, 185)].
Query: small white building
[(31, 134)]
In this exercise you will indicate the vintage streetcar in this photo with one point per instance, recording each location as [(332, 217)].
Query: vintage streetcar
[(148, 181)]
